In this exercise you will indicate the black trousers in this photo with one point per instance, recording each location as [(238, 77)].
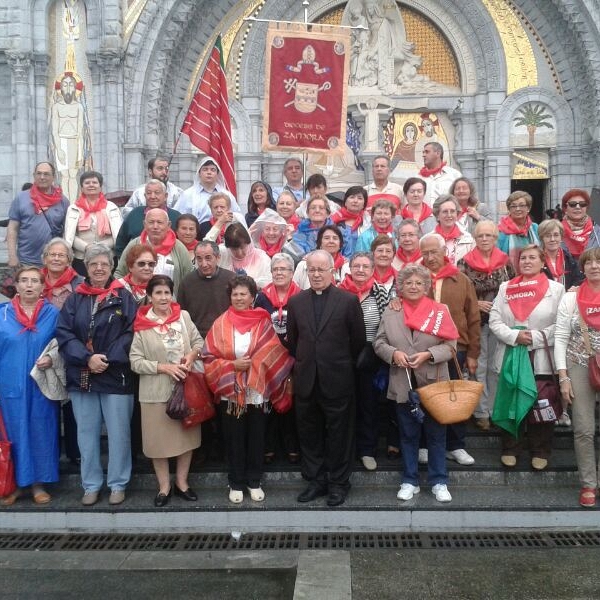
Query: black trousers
[(281, 430), (326, 436), (245, 444)]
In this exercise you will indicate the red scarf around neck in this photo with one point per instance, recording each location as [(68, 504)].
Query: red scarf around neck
[(244, 320), (343, 215), (448, 270), (388, 274), (351, 286), (66, 277), (191, 246), (524, 296), (271, 249), (509, 227), (293, 220), (42, 200), (85, 218), (454, 234), (588, 302), (383, 230), (23, 318), (425, 172), (270, 292), (138, 289), (221, 235), (475, 260), (557, 269), (406, 259), (338, 261), (430, 317), (167, 245), (576, 241), (143, 322), (89, 290), (426, 212)]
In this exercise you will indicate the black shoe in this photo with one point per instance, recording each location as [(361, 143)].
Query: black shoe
[(189, 494), (314, 490), (336, 498), (293, 458), (161, 499)]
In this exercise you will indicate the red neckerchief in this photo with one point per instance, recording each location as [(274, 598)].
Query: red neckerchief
[(293, 220), (475, 260), (271, 249), (383, 230), (41, 200), (453, 234), (63, 280), (576, 241), (559, 270), (85, 219), (448, 270), (351, 286), (509, 227), (343, 215), (88, 290), (425, 213), (167, 245), (220, 237), (405, 259), (143, 322), (191, 246), (138, 289), (425, 172), (524, 296), (244, 320), (588, 302), (430, 317), (270, 292), (387, 275), (338, 261), (23, 318)]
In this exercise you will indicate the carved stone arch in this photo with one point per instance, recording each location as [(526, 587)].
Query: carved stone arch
[(241, 121), (563, 113)]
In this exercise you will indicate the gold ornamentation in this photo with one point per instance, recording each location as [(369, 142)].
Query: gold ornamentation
[(132, 14)]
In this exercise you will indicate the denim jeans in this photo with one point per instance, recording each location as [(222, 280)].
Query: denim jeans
[(115, 410), (410, 434)]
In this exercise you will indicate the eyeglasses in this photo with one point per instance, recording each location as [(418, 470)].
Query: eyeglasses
[(56, 255), (280, 270), (146, 263), (518, 207), (577, 204), (319, 270)]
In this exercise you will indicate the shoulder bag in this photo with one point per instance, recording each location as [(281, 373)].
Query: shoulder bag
[(593, 357), (7, 468)]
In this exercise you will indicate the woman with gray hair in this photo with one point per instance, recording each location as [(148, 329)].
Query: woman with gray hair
[(417, 348), (472, 210), (446, 210), (94, 333), (559, 263), (274, 299)]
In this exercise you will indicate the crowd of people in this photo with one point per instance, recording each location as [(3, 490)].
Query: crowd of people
[(306, 316)]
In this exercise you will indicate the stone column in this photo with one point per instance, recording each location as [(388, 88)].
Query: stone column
[(40, 113), (23, 126)]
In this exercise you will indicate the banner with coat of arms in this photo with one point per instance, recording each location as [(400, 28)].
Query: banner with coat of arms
[(306, 88)]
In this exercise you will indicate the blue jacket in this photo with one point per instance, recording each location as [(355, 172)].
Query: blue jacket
[(306, 235), (112, 335)]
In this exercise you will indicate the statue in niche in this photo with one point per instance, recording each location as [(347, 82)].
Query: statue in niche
[(371, 114)]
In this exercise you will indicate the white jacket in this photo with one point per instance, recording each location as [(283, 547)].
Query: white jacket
[(72, 220)]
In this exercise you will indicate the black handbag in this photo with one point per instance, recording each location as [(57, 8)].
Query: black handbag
[(548, 406)]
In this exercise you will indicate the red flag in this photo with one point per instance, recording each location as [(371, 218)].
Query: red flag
[(207, 123)]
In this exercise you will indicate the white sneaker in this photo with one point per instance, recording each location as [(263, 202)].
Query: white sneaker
[(369, 463), (461, 456), (441, 493), (423, 456), (407, 491), (256, 494), (236, 496)]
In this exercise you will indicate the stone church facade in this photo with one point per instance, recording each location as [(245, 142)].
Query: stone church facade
[(512, 86)]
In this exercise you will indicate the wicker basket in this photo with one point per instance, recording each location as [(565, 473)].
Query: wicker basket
[(451, 401)]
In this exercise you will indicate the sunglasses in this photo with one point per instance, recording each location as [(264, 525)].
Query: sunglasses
[(577, 204), (146, 263)]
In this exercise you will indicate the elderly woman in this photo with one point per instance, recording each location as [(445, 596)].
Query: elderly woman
[(305, 235), (577, 337), (361, 282), (408, 234), (517, 229), (94, 333), (27, 324), (165, 345), (559, 263), (329, 238), (417, 348), (259, 199), (416, 208), (240, 256), (523, 313), (487, 267), (141, 261), (472, 211), (382, 249), (446, 210), (286, 208), (91, 219), (351, 218), (580, 231), (222, 216), (247, 368), (269, 232), (187, 230), (382, 215), (274, 299)]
